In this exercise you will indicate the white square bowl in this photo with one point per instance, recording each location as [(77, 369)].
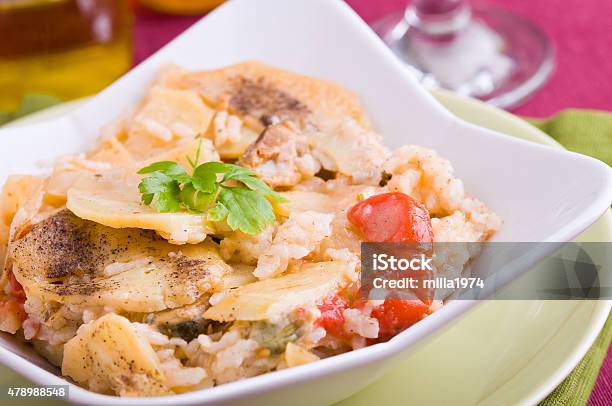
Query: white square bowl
[(542, 194)]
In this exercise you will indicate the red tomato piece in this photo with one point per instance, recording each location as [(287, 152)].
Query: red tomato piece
[(12, 308), (392, 217), (395, 315), (16, 289), (332, 315)]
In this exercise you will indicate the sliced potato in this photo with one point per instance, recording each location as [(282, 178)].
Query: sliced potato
[(340, 197), (270, 299), (166, 114), (239, 275), (68, 260), (16, 193), (112, 199), (296, 355), (112, 151), (298, 201), (110, 356), (58, 184), (17, 190), (236, 149), (254, 90)]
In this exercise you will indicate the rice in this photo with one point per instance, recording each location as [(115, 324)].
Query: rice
[(30, 329), (296, 238), (154, 337), (355, 322), (245, 248), (233, 356), (175, 373), (226, 128), (345, 255), (421, 173)]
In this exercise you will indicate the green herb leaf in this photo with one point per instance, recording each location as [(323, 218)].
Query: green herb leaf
[(169, 202), (163, 189), (250, 180), (245, 207), (194, 163), (204, 176), (249, 212), (260, 186), (168, 168), (147, 198), (235, 171), (217, 213), (195, 200), (158, 182)]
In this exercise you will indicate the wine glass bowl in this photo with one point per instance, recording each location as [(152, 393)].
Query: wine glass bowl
[(476, 50)]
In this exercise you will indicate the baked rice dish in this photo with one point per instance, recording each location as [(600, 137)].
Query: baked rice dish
[(213, 233)]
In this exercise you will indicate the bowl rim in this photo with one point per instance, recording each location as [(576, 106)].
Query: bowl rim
[(273, 380)]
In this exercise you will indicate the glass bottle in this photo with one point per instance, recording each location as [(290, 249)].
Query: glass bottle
[(61, 48)]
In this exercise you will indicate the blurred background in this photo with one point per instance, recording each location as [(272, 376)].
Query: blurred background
[(548, 55)]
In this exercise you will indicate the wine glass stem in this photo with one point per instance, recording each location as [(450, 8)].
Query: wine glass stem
[(438, 17)]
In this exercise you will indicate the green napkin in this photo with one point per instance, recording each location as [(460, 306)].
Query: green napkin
[(577, 387), (588, 132), (31, 103)]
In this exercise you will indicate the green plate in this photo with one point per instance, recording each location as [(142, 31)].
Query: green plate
[(500, 353)]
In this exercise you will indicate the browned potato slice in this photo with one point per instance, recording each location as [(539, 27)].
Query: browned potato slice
[(112, 199), (256, 90), (109, 355), (69, 260), (272, 298)]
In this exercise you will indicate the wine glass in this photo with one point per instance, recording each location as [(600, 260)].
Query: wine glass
[(475, 50)]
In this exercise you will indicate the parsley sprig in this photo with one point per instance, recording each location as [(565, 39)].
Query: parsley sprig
[(221, 191)]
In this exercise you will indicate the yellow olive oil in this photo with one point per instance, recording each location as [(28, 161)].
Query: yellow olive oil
[(61, 48)]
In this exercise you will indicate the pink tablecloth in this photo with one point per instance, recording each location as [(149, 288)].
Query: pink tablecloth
[(582, 34), (581, 30)]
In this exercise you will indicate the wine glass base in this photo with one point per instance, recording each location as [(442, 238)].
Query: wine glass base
[(497, 57)]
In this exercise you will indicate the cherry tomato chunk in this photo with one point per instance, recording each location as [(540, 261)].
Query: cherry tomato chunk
[(15, 288), (332, 315), (395, 315), (392, 217), (12, 308)]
